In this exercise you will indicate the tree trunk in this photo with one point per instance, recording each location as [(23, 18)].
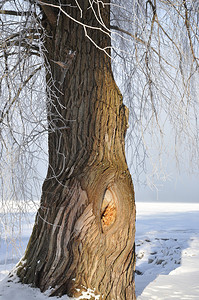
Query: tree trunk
[(83, 237)]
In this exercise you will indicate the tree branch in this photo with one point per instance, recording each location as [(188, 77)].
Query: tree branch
[(3, 114), (187, 24), (14, 13), (140, 41)]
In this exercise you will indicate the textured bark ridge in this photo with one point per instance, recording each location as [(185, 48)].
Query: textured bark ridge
[(83, 238)]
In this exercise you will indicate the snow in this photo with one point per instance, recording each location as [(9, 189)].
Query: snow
[(167, 250), (167, 247)]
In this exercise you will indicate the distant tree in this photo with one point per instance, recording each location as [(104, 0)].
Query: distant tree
[(57, 65)]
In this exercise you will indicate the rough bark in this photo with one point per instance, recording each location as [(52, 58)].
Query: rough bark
[(83, 237)]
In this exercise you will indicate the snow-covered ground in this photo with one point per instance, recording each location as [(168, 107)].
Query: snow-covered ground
[(167, 247)]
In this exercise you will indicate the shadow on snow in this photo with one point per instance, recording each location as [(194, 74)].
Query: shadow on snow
[(160, 240)]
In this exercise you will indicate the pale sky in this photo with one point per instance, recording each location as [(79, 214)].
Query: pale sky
[(185, 188)]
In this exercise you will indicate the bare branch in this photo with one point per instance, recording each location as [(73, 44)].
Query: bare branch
[(14, 13), (187, 24), (3, 114), (139, 40)]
